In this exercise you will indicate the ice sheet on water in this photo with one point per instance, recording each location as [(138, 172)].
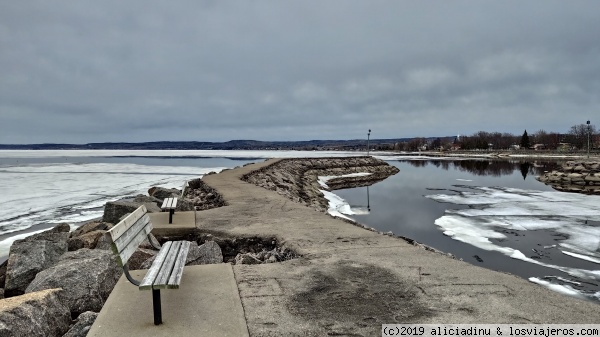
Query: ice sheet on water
[(583, 257), (563, 289), (338, 206), (324, 179), (176, 153), (495, 208), (54, 193)]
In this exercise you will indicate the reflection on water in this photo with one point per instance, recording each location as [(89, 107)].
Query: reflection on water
[(494, 168), (494, 214)]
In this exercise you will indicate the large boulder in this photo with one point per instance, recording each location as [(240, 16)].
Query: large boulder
[(163, 193), (31, 255), (90, 227), (140, 256), (152, 204), (207, 253), (35, 314), (83, 325), (87, 240), (115, 210), (88, 277)]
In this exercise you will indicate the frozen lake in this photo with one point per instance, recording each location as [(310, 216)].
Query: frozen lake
[(489, 213)]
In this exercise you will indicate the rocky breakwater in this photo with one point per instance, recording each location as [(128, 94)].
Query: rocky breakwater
[(55, 283), (574, 176), (297, 178)]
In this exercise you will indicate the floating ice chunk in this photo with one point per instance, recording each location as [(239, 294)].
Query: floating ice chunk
[(583, 257), (324, 179), (563, 289), (464, 179)]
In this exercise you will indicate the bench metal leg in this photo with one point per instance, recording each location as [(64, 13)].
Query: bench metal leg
[(171, 212), (156, 306)]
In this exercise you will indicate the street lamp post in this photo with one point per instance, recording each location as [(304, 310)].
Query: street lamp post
[(368, 138), (588, 134)]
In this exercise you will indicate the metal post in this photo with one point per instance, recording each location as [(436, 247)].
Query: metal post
[(171, 211), (368, 138), (588, 134), (368, 201), (156, 306)]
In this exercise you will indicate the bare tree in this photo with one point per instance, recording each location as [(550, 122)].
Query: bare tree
[(578, 135)]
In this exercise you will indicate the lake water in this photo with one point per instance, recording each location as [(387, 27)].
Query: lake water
[(493, 214)]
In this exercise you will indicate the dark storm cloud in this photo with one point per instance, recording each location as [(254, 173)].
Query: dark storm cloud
[(218, 70)]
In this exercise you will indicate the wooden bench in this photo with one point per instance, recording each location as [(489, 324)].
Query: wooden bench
[(170, 204), (167, 268)]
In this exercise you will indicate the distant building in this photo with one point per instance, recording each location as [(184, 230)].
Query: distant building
[(538, 147)]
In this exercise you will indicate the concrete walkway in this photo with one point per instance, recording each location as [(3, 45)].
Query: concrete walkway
[(350, 280), (206, 304), (347, 282)]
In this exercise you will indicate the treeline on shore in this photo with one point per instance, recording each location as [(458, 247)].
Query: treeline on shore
[(575, 139)]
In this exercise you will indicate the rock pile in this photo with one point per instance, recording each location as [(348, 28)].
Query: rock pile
[(574, 176), (203, 196), (55, 282), (56, 276), (297, 178), (277, 254)]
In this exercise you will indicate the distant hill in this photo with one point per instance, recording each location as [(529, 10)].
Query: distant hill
[(229, 145)]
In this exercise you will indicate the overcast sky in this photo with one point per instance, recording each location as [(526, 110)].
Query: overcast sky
[(95, 71)]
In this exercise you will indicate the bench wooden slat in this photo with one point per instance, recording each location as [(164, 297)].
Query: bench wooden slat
[(126, 223), (127, 238), (169, 203), (175, 278), (133, 244), (165, 271), (148, 280)]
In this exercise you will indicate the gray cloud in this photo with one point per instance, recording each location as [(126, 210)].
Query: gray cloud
[(218, 70)]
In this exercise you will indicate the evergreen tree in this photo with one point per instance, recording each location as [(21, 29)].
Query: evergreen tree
[(525, 140)]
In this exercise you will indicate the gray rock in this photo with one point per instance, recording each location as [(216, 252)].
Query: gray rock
[(140, 256), (31, 255), (184, 205), (140, 198), (3, 274), (87, 240), (207, 253), (103, 243), (247, 258), (88, 277), (90, 227), (35, 314), (163, 193), (61, 228), (115, 210), (83, 325)]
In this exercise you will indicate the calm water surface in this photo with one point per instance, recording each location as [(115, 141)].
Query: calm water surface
[(399, 204)]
